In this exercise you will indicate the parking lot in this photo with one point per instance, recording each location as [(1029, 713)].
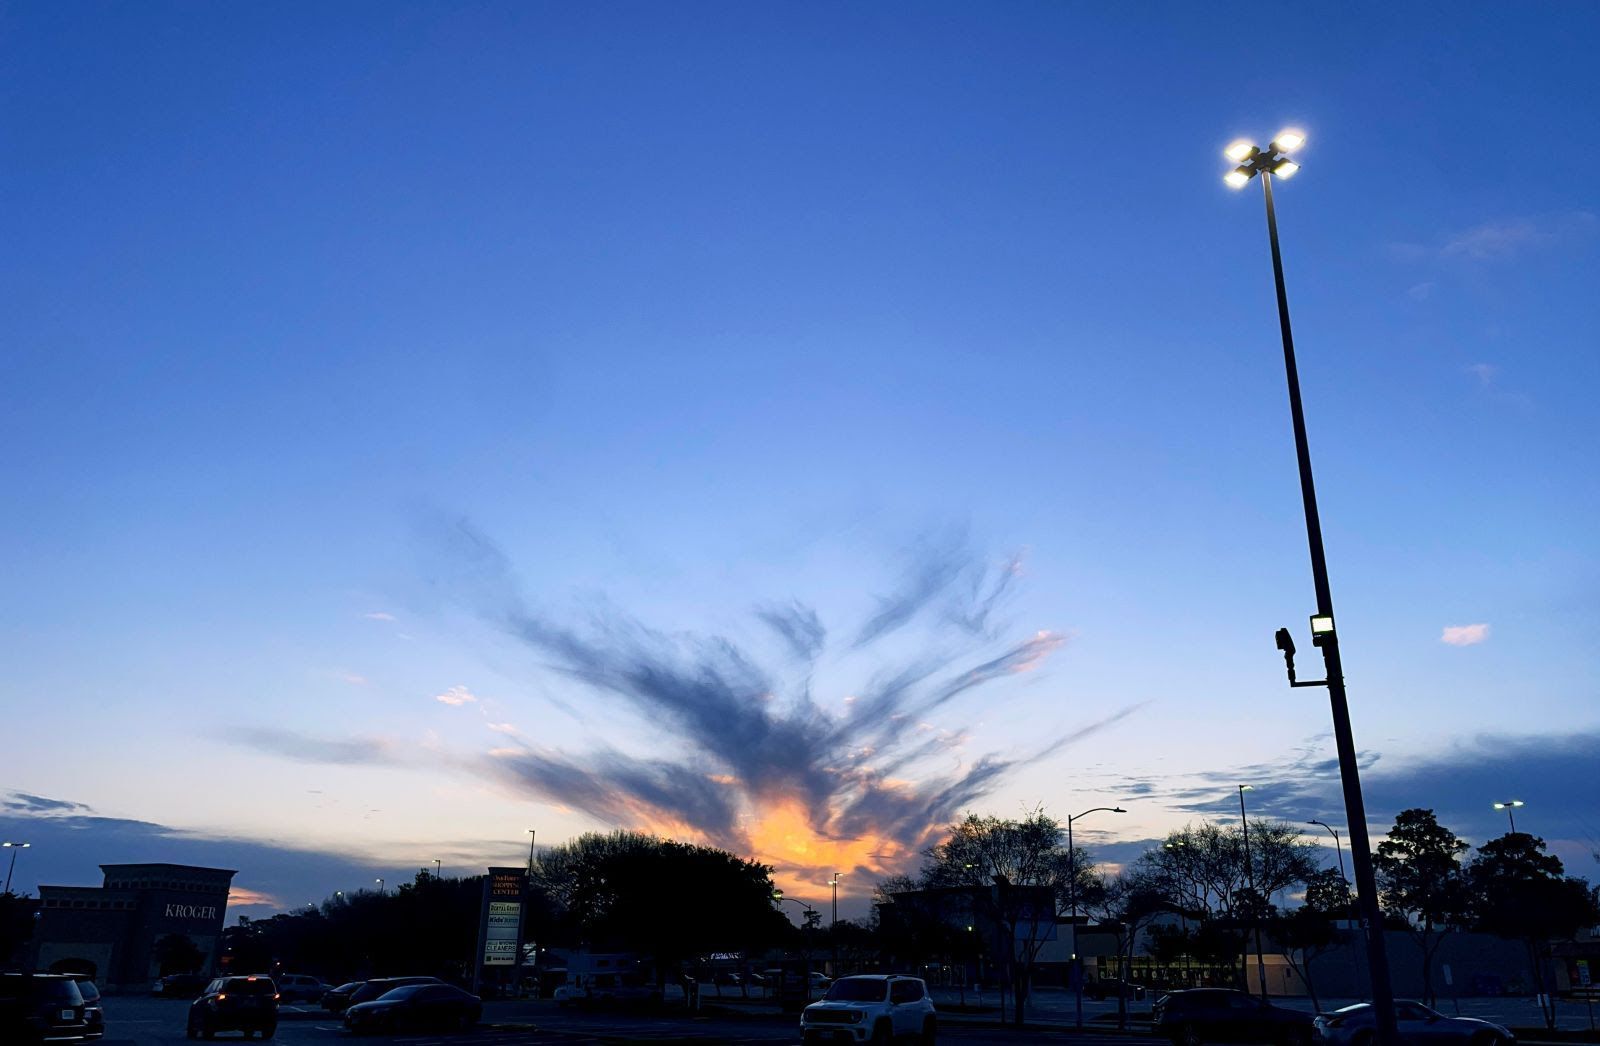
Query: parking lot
[(144, 1021)]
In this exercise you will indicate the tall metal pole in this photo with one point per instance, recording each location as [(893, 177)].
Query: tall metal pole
[(14, 848), (833, 927), (533, 833), (1350, 897), (1255, 901), (1075, 970), (1349, 772)]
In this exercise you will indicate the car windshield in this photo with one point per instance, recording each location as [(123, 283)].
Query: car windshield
[(403, 992), (853, 990), (88, 990), (349, 986)]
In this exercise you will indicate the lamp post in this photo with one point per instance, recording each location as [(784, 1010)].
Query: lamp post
[(1072, 892), (14, 848), (380, 886), (1338, 849), (1255, 898), (533, 834), (1508, 806), (811, 926), (833, 927), (1267, 163)]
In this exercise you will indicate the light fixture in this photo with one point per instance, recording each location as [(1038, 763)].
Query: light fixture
[(1237, 178), (1285, 168), (1247, 788), (1321, 624), (1239, 151), (1512, 803), (1288, 141)]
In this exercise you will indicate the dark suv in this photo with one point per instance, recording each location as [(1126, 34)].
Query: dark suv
[(39, 1007), (1201, 1015), (93, 1015), (244, 1004)]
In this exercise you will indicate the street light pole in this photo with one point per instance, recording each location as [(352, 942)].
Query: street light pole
[(1253, 161), (1509, 806), (380, 886), (14, 848), (1338, 849), (436, 867), (833, 927), (1072, 892), (810, 930), (1255, 899)]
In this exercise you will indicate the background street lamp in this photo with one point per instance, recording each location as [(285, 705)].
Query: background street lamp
[(13, 847), (833, 927), (1338, 849), (1255, 898), (1508, 806), (1275, 161), (1072, 892), (380, 886), (810, 929), (436, 867)]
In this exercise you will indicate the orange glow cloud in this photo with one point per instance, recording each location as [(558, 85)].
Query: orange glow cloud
[(245, 895)]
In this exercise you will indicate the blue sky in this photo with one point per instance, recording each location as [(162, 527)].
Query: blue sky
[(687, 312)]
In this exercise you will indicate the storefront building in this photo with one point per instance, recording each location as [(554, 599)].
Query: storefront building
[(115, 930)]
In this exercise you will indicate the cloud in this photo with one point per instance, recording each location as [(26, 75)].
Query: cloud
[(756, 765), (353, 678), (378, 615), (1500, 240), (1484, 372), (23, 803), (456, 696), (240, 896), (1464, 635), (305, 748), (798, 626)]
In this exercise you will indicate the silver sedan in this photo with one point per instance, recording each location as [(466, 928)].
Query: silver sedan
[(1419, 1026)]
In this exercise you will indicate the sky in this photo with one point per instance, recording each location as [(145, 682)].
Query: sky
[(784, 426)]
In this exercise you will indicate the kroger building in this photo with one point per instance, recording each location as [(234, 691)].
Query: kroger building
[(111, 930)]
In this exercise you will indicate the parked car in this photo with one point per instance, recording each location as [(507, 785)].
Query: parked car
[(180, 985), (93, 1015), (247, 1004), (297, 987), (871, 1006), (1201, 1015), (1110, 988), (419, 1007), (39, 1007), (380, 986), (1357, 1026), (334, 1000)]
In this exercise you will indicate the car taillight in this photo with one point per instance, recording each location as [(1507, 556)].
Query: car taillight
[(276, 996), (221, 996)]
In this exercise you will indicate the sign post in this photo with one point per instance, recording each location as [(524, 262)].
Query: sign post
[(500, 924)]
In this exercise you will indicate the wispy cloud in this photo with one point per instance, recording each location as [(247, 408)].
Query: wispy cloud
[(1484, 372), (456, 696), (379, 615), (757, 765), (23, 803), (1500, 240), (306, 748), (353, 678), (1464, 635), (243, 895)]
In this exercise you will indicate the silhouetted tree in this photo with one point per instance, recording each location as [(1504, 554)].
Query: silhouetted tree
[(1420, 878), (1519, 891), (669, 900)]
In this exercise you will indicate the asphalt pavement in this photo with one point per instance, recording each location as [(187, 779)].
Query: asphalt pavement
[(144, 1021)]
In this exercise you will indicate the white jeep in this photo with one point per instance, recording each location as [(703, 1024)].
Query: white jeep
[(873, 1007)]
